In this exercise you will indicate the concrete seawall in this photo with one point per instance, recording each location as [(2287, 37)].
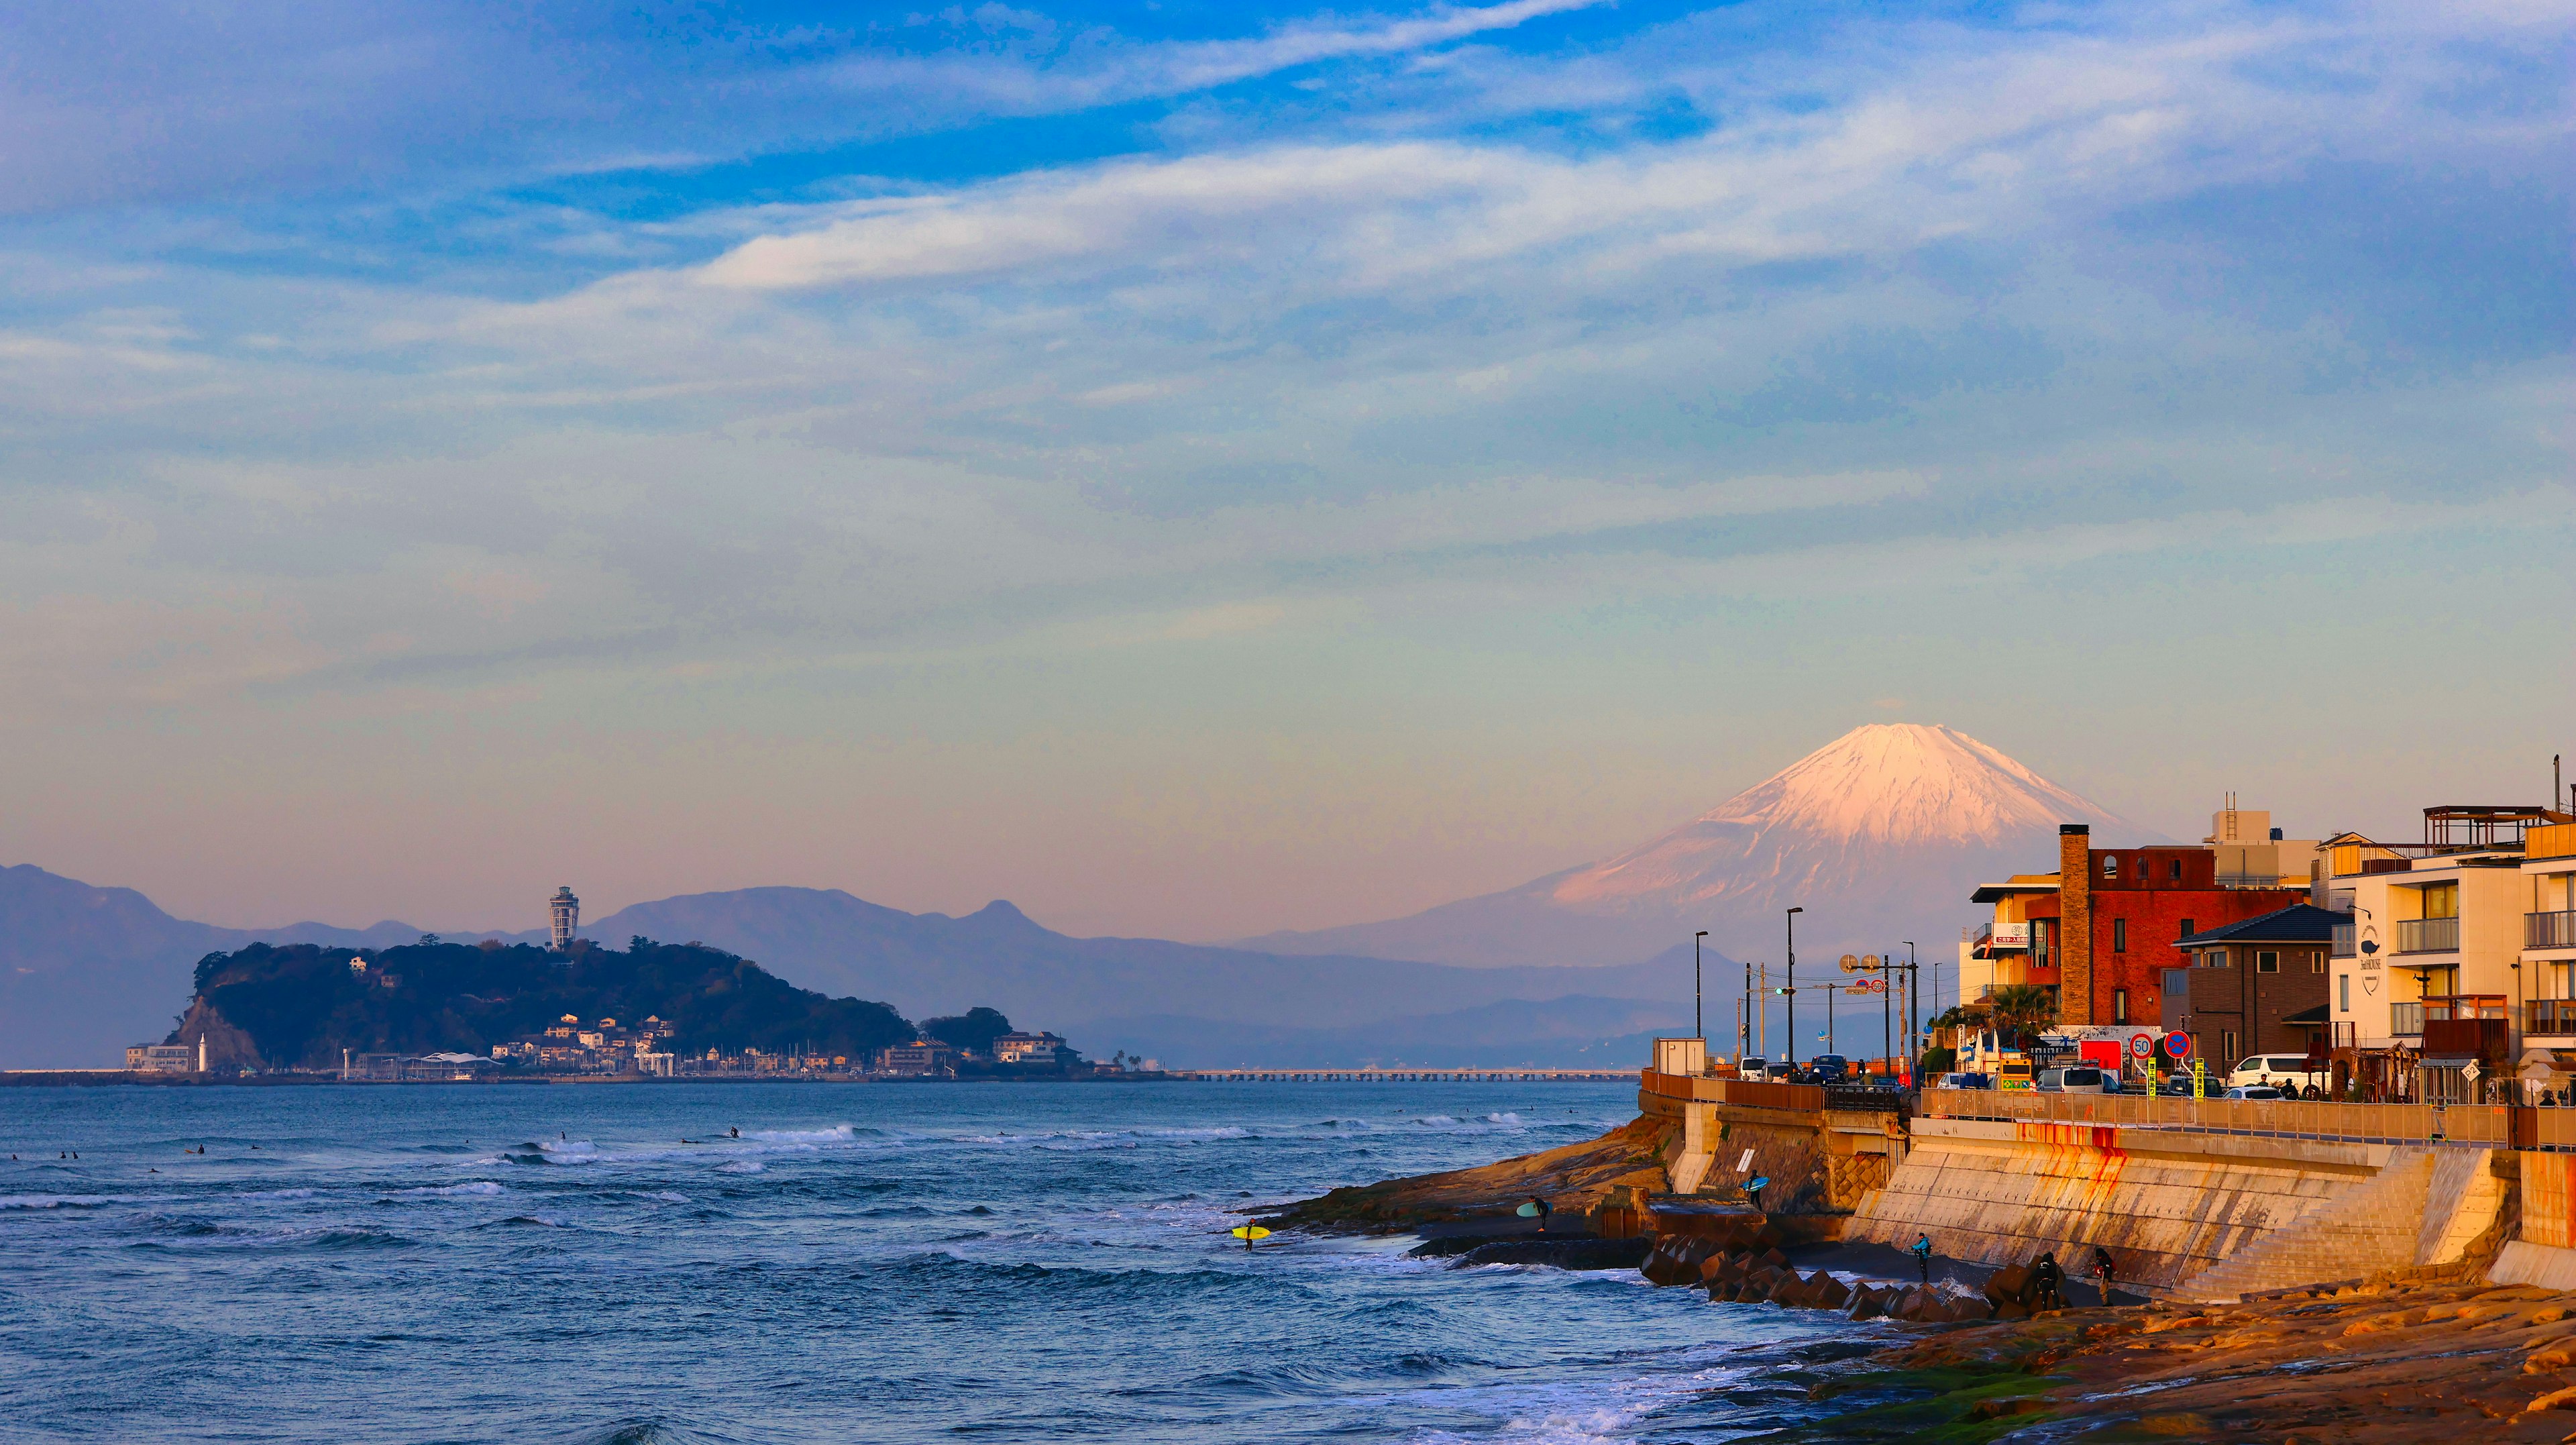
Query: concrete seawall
[(2192, 1202), (2185, 1214)]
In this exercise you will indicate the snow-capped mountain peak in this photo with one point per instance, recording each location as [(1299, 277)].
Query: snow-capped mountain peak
[(1879, 835)]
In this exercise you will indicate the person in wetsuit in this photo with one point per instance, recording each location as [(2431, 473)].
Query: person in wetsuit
[(2048, 1280)]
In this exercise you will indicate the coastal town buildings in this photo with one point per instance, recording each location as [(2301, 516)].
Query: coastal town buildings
[(1037, 1048), (922, 1058), (2102, 930), (166, 1058), (2258, 986), (2452, 980)]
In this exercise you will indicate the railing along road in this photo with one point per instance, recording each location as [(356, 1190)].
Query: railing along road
[(2290, 1118)]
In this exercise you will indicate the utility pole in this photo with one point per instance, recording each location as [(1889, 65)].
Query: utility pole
[(1699, 1030), (1886, 1028), (1913, 1012), (1792, 986), (1762, 1020)]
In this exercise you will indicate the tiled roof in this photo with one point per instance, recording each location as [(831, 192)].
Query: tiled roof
[(2298, 923)]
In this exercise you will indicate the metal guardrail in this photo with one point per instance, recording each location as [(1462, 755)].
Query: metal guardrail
[(2549, 930), (2280, 1118), (1749, 1093), (2428, 935)]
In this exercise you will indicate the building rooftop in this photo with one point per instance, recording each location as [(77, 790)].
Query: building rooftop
[(2298, 923)]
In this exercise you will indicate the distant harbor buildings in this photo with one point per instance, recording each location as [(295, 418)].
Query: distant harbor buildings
[(166, 1058)]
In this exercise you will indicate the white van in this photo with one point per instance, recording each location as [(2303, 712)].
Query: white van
[(2288, 1072)]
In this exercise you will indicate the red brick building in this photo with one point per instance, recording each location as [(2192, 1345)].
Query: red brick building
[(2102, 929)]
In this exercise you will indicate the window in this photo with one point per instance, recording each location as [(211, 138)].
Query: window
[(2227, 1045), (2267, 961), (2187, 929), (2343, 993), (2215, 958), (2110, 867), (2316, 963), (2119, 935), (2173, 871), (2119, 1005), (2442, 900)]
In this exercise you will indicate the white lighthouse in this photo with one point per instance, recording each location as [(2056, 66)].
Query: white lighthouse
[(566, 910)]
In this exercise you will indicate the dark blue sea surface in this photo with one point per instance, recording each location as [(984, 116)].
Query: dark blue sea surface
[(865, 1263)]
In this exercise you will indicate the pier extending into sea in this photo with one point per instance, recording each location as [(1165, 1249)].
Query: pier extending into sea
[(1413, 1076)]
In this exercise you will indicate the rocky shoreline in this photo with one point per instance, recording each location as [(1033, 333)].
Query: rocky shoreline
[(2423, 1354)]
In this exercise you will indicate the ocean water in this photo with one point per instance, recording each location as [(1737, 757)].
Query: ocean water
[(865, 1263)]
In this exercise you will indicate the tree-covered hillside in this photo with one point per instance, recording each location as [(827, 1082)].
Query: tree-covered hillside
[(300, 1005)]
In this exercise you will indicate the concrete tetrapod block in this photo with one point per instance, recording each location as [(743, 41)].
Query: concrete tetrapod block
[(1830, 1293), (1866, 1304)]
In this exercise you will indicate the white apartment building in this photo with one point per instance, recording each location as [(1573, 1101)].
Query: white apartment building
[(2439, 966)]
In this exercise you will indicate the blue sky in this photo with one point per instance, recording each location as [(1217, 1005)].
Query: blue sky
[(1195, 470)]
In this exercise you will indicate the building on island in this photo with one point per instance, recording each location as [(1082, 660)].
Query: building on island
[(922, 1058), (1039, 1048), (564, 911), (2458, 953), (166, 1058), (2254, 987)]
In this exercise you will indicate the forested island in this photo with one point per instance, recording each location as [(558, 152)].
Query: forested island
[(302, 1007)]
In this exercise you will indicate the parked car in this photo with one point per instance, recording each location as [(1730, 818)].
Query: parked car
[(1830, 1068), (1751, 1066), (1964, 1081), (2290, 1073), (2077, 1079), (2253, 1091)]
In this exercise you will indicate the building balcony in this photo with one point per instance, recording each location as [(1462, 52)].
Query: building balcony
[(2428, 935), (1994, 938), (2553, 1016), (2549, 930)]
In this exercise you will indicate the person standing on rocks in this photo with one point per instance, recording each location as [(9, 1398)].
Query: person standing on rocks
[(2046, 1280), (1923, 1258), (2103, 1272)]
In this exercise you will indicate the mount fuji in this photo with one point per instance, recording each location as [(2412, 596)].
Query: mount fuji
[(1879, 836)]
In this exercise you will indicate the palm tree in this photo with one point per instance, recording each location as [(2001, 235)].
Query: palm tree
[(2021, 1009)]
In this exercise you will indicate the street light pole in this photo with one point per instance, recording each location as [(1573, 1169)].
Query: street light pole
[(1792, 988), (1913, 1012), (1744, 1020), (1699, 1030)]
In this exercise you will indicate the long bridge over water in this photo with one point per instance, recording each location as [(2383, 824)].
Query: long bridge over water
[(1413, 1076)]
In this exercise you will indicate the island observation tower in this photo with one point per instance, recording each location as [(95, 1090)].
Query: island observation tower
[(566, 910)]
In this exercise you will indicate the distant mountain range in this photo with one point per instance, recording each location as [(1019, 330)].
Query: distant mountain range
[(86, 970), (1879, 836)]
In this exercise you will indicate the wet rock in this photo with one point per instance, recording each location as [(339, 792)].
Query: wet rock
[(1573, 1252)]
